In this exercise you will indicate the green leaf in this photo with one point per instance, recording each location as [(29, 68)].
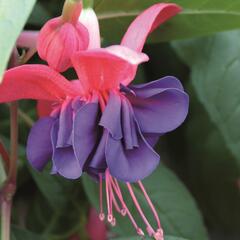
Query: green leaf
[(22, 234), (215, 69), (212, 171), (177, 209), (213, 162), (64, 202), (173, 238), (13, 15), (198, 18), (51, 187), (58, 223), (147, 238)]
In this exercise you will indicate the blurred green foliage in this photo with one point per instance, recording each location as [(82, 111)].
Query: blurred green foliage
[(204, 152)]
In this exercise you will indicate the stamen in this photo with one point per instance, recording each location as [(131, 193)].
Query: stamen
[(116, 204), (110, 217), (105, 96), (103, 99), (114, 197), (110, 197), (140, 232), (123, 212), (114, 188), (117, 190), (102, 103), (113, 223), (159, 235), (101, 215), (135, 201), (150, 204)]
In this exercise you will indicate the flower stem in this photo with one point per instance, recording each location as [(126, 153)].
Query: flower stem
[(12, 175), (71, 11), (9, 188), (6, 216), (5, 156)]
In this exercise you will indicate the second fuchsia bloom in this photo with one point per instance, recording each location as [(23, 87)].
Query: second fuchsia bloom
[(61, 37), (101, 124)]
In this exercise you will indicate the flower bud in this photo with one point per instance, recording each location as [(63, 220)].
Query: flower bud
[(61, 37)]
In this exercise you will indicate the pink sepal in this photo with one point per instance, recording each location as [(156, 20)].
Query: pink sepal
[(146, 22)]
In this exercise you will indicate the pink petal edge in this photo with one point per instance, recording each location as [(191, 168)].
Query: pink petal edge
[(34, 81), (44, 107), (134, 58), (146, 22), (101, 70), (127, 54), (89, 19)]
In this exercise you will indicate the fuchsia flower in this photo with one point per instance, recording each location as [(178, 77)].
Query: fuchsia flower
[(62, 36), (100, 123)]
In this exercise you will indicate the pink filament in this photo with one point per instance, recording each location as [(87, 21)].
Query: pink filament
[(150, 204), (115, 203), (119, 194), (102, 103), (108, 196), (135, 201), (101, 198), (113, 190)]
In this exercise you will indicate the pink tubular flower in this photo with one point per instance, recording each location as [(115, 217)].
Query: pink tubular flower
[(62, 36), (101, 124)]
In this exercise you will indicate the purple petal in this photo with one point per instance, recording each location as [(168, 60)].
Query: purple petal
[(162, 112), (129, 157), (128, 124), (111, 118), (39, 147), (85, 131), (151, 138), (98, 160), (117, 119), (64, 158), (66, 163), (77, 103), (65, 125), (149, 89), (130, 165)]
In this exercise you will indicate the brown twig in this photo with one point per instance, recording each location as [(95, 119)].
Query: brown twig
[(5, 156), (9, 187)]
